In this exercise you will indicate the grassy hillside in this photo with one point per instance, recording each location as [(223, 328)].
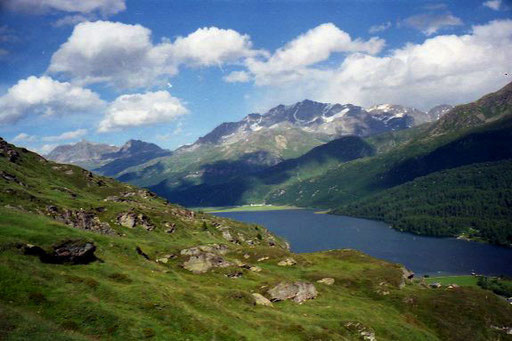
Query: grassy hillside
[(139, 287), (473, 201)]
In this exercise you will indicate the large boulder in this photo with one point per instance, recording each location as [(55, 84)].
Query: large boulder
[(407, 276), (67, 252), (203, 262), (131, 219), (74, 252), (297, 291), (128, 219)]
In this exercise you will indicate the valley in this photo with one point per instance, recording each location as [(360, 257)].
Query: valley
[(84, 256)]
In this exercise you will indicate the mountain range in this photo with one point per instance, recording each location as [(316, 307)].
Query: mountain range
[(107, 159), (244, 147), (342, 157), (470, 134)]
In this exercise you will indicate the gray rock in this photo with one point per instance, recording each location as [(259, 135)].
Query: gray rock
[(81, 219), (128, 219), (203, 262), (297, 291)]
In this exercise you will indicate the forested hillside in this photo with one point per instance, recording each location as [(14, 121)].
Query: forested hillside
[(473, 201)]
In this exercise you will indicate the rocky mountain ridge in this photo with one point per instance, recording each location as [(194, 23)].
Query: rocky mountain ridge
[(329, 120)]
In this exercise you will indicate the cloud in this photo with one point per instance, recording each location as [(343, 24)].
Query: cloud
[(23, 137), (104, 51), (103, 7), (141, 109), (318, 44), (45, 96), (443, 69), (380, 28), (213, 46), (493, 4), (237, 76), (124, 56), (45, 149), (430, 23), (71, 20), (69, 135)]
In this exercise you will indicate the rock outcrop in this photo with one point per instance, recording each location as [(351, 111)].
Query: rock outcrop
[(68, 252), (7, 150), (203, 262), (81, 219), (287, 262), (132, 219), (297, 291), (212, 248)]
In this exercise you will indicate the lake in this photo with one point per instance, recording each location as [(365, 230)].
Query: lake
[(308, 232)]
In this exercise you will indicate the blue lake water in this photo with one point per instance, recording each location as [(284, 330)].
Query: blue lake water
[(309, 232)]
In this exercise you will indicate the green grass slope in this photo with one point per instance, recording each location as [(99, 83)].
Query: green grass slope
[(124, 296), (473, 201)]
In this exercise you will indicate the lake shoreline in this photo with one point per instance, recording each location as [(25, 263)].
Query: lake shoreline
[(307, 231)]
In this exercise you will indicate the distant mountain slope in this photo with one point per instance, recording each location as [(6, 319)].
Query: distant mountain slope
[(403, 156), (431, 149), (487, 109), (83, 153), (132, 153), (473, 201), (237, 189), (262, 140), (105, 159)]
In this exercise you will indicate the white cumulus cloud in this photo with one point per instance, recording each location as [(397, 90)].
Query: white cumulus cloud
[(213, 46), (141, 109), (111, 52), (124, 56), (314, 46), (443, 69), (45, 96), (68, 135)]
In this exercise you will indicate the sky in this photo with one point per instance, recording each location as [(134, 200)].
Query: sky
[(168, 72)]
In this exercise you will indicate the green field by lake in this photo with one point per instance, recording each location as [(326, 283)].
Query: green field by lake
[(467, 280)]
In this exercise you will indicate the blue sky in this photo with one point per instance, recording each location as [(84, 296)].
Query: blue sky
[(170, 71)]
